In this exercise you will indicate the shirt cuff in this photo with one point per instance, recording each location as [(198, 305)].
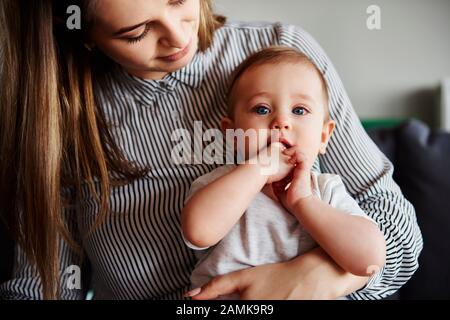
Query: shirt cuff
[(191, 246)]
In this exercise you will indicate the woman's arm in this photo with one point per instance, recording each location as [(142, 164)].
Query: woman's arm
[(213, 210), (311, 276), (352, 241), (25, 283)]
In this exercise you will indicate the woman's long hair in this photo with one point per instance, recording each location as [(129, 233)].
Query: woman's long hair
[(53, 136)]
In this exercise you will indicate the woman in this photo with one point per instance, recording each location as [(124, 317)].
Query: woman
[(85, 139)]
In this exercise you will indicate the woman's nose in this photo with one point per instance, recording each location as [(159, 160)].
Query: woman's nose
[(173, 35)]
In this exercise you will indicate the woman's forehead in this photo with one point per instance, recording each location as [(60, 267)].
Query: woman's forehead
[(124, 13)]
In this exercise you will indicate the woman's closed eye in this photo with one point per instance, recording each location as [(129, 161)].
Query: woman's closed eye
[(300, 111), (139, 37), (178, 2), (261, 110)]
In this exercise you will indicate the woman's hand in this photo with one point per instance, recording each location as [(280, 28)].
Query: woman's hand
[(311, 276)]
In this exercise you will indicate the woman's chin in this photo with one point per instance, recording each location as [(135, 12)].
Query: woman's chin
[(177, 65)]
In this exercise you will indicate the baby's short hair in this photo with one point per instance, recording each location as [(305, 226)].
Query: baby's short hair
[(273, 55)]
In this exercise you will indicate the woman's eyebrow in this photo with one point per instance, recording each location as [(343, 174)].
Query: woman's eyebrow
[(130, 28)]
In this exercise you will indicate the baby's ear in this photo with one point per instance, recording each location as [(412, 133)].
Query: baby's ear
[(226, 123), (327, 131)]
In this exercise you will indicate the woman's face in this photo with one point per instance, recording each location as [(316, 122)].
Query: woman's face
[(149, 38)]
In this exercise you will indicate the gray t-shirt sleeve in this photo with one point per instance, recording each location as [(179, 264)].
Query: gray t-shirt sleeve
[(200, 183), (333, 192)]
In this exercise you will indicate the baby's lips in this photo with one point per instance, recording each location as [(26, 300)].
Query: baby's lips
[(285, 143), (279, 144)]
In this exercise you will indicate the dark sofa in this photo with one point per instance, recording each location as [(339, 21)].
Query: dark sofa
[(422, 169), (421, 160)]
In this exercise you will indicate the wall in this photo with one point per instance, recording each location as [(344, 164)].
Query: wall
[(392, 72)]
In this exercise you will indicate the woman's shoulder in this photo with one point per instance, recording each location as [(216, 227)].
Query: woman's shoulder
[(242, 25), (262, 32), (259, 26), (236, 39)]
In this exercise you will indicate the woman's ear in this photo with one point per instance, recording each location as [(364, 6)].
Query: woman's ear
[(226, 123), (327, 131)]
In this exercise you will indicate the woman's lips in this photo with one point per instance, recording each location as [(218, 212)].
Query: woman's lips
[(177, 56)]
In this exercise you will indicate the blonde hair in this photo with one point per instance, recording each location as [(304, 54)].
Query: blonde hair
[(273, 55), (209, 23), (53, 134)]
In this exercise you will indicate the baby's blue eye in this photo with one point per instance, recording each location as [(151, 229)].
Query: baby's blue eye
[(262, 110), (300, 111)]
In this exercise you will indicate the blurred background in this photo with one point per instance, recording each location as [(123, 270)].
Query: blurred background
[(390, 74)]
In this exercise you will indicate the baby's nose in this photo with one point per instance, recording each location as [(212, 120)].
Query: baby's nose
[(281, 123)]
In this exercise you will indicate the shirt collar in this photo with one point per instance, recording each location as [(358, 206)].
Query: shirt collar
[(147, 90), (193, 73)]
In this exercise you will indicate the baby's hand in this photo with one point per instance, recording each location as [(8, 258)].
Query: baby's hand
[(274, 163), (297, 185)]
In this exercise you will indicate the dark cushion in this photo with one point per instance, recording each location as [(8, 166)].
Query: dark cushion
[(386, 140), (422, 169)]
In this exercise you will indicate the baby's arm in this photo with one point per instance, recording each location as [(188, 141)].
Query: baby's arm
[(354, 242), (213, 210)]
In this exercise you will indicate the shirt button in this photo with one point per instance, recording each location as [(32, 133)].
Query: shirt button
[(176, 116), (166, 86)]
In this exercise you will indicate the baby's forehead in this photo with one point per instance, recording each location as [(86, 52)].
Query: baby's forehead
[(301, 66), (293, 79), (265, 74), (298, 73)]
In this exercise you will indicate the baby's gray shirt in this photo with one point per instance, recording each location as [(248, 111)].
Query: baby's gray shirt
[(266, 232)]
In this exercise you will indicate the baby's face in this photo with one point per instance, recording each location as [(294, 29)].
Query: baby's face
[(287, 98)]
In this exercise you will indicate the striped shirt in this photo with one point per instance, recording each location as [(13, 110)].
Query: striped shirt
[(138, 252)]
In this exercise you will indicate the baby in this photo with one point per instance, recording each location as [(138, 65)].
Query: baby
[(240, 216)]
